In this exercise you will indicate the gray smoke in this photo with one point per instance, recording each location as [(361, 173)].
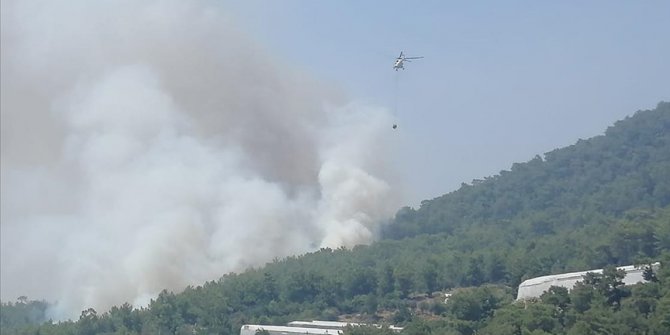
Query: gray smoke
[(149, 145)]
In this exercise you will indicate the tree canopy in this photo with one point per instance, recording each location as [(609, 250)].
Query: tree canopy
[(601, 202)]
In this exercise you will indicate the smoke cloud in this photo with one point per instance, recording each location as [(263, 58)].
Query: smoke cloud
[(150, 145)]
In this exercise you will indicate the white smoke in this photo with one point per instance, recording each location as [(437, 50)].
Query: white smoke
[(148, 145)]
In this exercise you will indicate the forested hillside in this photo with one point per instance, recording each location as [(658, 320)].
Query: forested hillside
[(628, 167), (578, 207), (600, 202)]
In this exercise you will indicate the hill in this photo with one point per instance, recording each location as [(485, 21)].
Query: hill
[(602, 201), (578, 207), (628, 167)]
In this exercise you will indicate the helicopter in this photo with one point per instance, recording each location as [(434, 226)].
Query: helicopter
[(402, 59)]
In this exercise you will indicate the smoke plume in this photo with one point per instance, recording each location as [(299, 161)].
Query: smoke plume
[(150, 145)]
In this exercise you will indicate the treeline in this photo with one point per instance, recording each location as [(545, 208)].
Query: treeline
[(600, 304), (377, 283), (603, 201), (22, 313)]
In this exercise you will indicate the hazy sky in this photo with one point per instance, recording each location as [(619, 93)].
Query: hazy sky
[(500, 82)]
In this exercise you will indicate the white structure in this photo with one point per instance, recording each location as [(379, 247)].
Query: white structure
[(322, 324), (307, 328), (335, 325), (534, 287), (284, 330)]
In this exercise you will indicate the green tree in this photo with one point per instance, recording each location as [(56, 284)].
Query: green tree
[(429, 274), (405, 281), (88, 322), (386, 280)]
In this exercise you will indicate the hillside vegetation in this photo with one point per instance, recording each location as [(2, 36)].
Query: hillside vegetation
[(578, 207), (601, 202)]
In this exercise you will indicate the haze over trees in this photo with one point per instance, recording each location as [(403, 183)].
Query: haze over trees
[(602, 202)]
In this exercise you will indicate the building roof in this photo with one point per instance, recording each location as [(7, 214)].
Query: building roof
[(534, 287), (292, 330)]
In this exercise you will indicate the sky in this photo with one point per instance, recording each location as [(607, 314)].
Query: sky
[(500, 81), (150, 145)]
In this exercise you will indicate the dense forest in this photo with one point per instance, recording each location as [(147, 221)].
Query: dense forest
[(601, 202)]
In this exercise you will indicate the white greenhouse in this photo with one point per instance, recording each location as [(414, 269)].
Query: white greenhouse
[(334, 325), (284, 330), (534, 287), (306, 328)]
